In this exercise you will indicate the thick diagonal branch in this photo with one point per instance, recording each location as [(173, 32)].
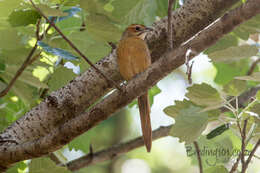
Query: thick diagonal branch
[(104, 109), (86, 89)]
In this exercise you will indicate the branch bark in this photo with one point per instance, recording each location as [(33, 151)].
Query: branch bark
[(86, 89), (196, 145), (28, 61), (114, 151), (243, 146), (63, 134), (169, 30), (73, 46)]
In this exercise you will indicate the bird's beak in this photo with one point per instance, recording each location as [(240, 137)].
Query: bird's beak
[(149, 29)]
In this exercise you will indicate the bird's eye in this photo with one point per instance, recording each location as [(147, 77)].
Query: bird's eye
[(137, 28)]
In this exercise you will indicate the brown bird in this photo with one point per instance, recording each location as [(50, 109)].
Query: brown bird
[(133, 57)]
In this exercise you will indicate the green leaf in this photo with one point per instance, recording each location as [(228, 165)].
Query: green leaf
[(82, 142), (104, 130), (152, 92), (26, 77), (102, 28), (254, 77), (234, 53), (162, 8), (134, 11), (11, 108), (10, 39), (224, 43), (217, 169), (256, 109), (60, 77), (2, 67), (6, 7), (48, 11), (227, 71), (25, 86), (203, 94), (258, 95), (249, 27), (189, 124), (14, 56), (85, 42), (69, 2), (241, 33), (57, 51), (93, 6), (235, 87), (43, 165), (71, 12), (218, 131), (216, 151), (14, 169), (174, 110), (69, 25), (23, 17)]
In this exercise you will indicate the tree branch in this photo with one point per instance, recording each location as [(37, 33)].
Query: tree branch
[(253, 66), (19, 72), (74, 47), (198, 155), (243, 146), (170, 3), (57, 137), (235, 165), (251, 154), (114, 151), (87, 88), (28, 61)]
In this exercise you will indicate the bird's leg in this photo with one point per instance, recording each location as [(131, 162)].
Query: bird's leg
[(123, 87)]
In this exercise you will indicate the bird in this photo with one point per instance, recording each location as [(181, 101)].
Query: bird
[(133, 57)]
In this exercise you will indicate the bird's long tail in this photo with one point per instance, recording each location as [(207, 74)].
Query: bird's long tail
[(144, 109)]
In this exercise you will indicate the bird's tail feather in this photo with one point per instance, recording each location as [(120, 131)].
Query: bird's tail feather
[(144, 109)]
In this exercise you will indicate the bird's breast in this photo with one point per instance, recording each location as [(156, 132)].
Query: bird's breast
[(133, 57)]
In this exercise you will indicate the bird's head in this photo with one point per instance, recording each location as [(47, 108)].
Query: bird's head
[(136, 30)]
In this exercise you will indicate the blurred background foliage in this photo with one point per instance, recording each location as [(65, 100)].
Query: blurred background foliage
[(91, 25)]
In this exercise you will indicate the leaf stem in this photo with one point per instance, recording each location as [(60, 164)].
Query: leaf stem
[(198, 155)]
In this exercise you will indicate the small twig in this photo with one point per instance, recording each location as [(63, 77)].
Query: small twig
[(189, 72), (250, 156), (19, 71), (189, 67), (234, 167), (74, 47), (34, 58), (27, 61), (116, 150), (253, 66), (170, 40), (243, 146), (113, 45), (239, 127), (38, 29), (198, 155)]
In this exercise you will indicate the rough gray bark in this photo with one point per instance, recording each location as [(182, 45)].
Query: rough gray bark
[(85, 89), (61, 132)]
